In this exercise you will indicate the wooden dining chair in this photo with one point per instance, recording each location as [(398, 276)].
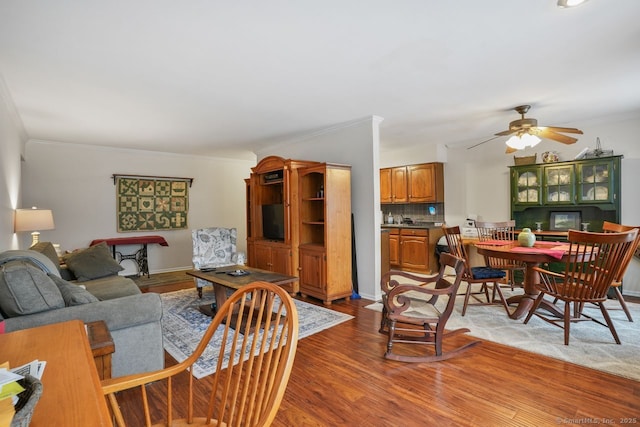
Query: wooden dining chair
[(611, 227), (595, 260), (258, 330), (416, 309), (484, 276), (501, 230)]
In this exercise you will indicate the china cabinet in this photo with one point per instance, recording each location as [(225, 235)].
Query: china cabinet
[(589, 188)]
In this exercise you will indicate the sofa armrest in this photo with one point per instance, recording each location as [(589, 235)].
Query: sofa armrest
[(118, 313)]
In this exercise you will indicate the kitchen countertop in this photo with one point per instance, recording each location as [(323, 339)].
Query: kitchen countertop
[(426, 225)]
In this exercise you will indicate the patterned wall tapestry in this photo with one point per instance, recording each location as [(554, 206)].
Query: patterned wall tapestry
[(151, 204)]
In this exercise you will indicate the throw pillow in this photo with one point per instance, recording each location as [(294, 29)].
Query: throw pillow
[(73, 294), (47, 249), (25, 289), (92, 263)]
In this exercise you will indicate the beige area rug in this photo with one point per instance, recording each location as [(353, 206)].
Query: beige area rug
[(590, 344)]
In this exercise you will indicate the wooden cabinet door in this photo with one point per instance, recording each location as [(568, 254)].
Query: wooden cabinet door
[(262, 256), (414, 250), (399, 185), (312, 272), (421, 181), (394, 248), (281, 260), (386, 195), (414, 253)]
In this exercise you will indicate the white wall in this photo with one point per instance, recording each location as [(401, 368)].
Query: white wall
[(75, 181), (356, 144), (11, 140)]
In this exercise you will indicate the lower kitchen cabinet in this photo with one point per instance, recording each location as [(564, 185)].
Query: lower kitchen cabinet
[(412, 249)]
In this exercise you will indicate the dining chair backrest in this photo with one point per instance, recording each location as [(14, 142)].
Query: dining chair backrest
[(595, 261), (612, 227), (456, 247), (501, 230)]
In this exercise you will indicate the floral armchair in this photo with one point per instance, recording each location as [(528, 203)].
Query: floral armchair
[(212, 248)]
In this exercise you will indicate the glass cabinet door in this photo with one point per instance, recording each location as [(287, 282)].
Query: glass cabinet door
[(558, 184), (595, 182), (526, 186)]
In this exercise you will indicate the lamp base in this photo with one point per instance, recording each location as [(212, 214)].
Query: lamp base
[(35, 238)]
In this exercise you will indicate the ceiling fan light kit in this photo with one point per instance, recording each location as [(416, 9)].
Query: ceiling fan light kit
[(570, 3), (525, 132)]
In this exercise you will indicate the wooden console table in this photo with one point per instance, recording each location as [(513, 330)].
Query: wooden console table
[(72, 394), (102, 347), (140, 256)]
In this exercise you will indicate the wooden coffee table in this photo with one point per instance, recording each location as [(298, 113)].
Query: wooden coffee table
[(221, 281)]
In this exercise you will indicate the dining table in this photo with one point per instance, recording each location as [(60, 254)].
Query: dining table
[(541, 252)]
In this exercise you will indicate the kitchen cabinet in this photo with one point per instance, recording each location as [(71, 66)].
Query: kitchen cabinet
[(590, 187), (413, 249), (393, 185), (420, 183), (325, 232), (394, 247)]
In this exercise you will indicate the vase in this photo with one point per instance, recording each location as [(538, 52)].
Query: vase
[(526, 238)]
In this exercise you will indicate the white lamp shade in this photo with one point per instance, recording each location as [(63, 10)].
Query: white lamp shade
[(33, 220)]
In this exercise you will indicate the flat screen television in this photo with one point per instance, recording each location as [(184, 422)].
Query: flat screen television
[(273, 221)]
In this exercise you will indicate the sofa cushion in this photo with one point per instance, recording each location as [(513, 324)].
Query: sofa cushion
[(25, 289), (112, 287), (73, 294), (92, 263), (47, 249)]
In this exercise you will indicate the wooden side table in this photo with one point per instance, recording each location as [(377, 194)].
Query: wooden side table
[(102, 347)]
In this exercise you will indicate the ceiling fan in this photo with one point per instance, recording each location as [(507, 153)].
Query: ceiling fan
[(526, 132)]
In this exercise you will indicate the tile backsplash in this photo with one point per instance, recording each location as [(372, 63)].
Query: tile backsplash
[(418, 212)]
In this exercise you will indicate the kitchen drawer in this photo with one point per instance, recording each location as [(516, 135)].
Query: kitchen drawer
[(414, 232)]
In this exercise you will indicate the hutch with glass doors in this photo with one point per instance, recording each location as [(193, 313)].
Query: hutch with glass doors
[(564, 195)]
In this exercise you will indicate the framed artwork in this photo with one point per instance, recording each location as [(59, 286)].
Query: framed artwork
[(562, 221)]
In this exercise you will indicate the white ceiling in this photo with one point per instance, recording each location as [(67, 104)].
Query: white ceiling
[(213, 77)]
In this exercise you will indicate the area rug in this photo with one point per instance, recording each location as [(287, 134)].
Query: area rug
[(183, 325), (590, 344)]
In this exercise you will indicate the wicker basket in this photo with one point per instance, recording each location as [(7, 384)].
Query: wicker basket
[(27, 401), (525, 160)]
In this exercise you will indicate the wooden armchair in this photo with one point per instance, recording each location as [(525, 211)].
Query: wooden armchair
[(611, 227), (503, 230), (416, 309), (259, 329), (595, 260), (479, 275)]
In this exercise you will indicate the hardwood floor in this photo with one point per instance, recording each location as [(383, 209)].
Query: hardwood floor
[(341, 379)]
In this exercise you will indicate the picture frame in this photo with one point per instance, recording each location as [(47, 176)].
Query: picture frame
[(563, 221)]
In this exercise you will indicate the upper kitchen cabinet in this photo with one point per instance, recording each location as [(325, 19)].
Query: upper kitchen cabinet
[(393, 185), (526, 185), (421, 183)]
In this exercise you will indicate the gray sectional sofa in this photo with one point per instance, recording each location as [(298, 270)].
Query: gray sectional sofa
[(36, 290)]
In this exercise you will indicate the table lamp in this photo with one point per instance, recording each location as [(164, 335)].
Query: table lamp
[(33, 220)]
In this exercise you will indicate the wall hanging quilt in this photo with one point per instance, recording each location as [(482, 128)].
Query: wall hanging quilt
[(151, 204)]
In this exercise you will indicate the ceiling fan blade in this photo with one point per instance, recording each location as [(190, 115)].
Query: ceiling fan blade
[(563, 130), (480, 143), (507, 132), (549, 134), (510, 150)]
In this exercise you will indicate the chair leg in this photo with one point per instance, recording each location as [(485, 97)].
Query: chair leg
[(567, 322), (199, 292), (392, 330), (623, 303), (607, 319), (466, 298)]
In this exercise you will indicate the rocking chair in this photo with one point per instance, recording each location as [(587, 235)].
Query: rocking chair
[(413, 313)]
